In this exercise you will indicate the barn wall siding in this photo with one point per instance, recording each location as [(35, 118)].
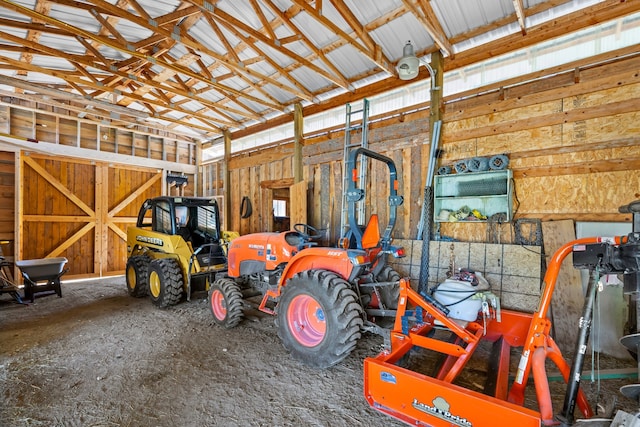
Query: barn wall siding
[(572, 139), (80, 210)]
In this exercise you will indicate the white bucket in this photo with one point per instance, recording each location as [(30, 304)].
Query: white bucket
[(458, 297)]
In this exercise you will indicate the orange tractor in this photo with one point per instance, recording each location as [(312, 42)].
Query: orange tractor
[(398, 390), (323, 298)]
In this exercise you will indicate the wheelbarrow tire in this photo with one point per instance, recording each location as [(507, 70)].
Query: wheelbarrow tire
[(137, 275), (166, 283)]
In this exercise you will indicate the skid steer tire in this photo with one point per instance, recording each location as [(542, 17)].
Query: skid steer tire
[(137, 275), (389, 294), (165, 282), (225, 302), (318, 318)]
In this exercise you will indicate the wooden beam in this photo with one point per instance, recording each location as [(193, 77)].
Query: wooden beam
[(227, 179), (126, 49), (59, 94), (298, 131), (519, 7), (9, 141), (376, 56), (242, 27), (59, 250), (428, 19), (134, 194), (277, 183), (300, 36)]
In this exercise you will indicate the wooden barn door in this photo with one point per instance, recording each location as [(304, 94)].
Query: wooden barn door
[(80, 210)]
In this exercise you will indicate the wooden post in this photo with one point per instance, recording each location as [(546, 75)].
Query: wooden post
[(437, 106), (199, 179), (298, 124), (102, 219), (227, 180), (18, 231)]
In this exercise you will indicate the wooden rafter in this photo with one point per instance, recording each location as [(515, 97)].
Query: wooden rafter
[(428, 19), (232, 75), (266, 25), (232, 52), (301, 37), (519, 6), (100, 86), (42, 6), (258, 36), (187, 40), (71, 79), (303, 92), (376, 55), (125, 49)]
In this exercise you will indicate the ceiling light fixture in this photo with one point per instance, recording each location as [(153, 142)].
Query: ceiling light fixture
[(409, 65)]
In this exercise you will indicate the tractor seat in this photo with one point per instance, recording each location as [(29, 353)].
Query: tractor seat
[(185, 233), (294, 238), (213, 255)]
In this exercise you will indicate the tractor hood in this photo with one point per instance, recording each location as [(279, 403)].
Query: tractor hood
[(255, 253)]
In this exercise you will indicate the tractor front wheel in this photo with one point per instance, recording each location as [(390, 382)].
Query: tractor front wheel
[(165, 282), (318, 318), (225, 302)]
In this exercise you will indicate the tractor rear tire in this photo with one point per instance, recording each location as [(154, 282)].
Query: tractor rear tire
[(165, 282), (225, 302), (389, 294), (318, 318), (137, 275)]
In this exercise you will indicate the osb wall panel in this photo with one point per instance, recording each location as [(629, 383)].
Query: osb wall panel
[(573, 146), (577, 195), (80, 210)]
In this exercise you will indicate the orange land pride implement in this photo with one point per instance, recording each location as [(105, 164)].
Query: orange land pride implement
[(419, 399)]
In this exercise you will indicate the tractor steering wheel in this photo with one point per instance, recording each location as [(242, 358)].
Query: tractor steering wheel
[(308, 232)]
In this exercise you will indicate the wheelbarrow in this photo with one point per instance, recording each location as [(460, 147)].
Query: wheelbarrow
[(42, 275), (6, 284)]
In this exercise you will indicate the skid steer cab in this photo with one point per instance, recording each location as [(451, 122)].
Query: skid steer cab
[(175, 249), (323, 298)]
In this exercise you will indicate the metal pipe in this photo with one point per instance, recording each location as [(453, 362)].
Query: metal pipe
[(573, 383)]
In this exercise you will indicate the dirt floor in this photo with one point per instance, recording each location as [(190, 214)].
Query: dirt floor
[(98, 357)]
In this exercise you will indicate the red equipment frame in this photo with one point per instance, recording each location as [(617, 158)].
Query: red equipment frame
[(419, 399)]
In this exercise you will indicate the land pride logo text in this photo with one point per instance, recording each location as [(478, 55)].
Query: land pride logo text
[(440, 409)]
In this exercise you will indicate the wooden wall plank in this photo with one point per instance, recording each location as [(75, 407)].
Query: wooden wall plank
[(568, 298), (557, 131)]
